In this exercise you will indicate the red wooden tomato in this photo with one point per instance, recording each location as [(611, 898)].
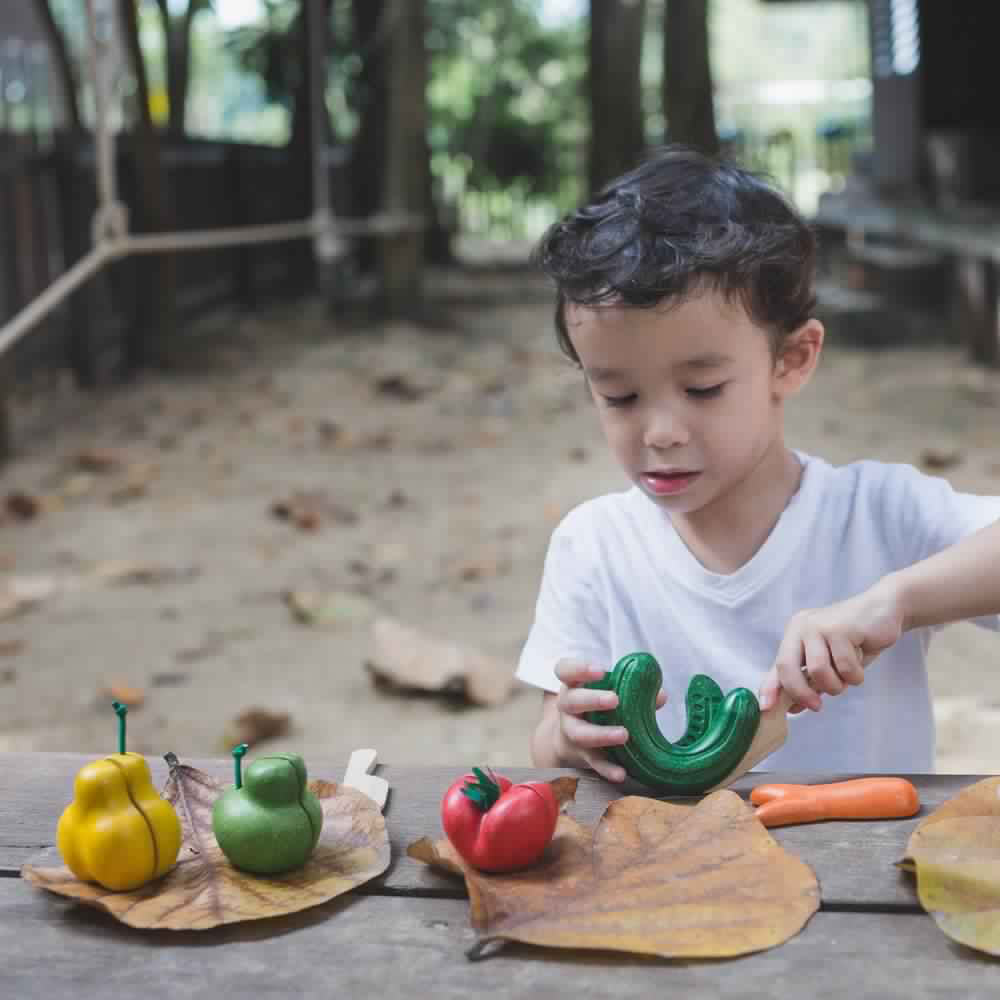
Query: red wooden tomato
[(497, 826)]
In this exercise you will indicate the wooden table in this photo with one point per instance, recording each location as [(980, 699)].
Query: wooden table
[(405, 933)]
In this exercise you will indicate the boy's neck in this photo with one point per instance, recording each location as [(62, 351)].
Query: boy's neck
[(727, 534)]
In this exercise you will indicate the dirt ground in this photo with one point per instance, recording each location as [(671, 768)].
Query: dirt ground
[(437, 463)]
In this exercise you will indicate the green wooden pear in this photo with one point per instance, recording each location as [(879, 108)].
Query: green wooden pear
[(269, 823)]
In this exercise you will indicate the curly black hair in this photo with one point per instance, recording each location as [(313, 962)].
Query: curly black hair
[(679, 223)]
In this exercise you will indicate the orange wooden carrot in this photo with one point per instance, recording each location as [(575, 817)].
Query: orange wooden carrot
[(858, 798)]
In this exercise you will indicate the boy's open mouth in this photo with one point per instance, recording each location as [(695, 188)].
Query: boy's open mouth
[(668, 483)]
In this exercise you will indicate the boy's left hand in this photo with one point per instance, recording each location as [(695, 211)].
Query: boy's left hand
[(833, 644)]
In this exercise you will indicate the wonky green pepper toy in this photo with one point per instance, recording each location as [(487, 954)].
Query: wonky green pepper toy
[(118, 831), (270, 824)]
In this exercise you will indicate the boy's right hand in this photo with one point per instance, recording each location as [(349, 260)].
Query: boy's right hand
[(577, 740)]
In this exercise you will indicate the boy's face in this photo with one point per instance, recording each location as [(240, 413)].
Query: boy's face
[(689, 395)]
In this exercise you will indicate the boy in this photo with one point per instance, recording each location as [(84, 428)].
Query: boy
[(684, 294)]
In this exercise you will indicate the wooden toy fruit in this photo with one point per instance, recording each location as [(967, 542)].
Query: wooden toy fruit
[(720, 729), (498, 826), (270, 823), (118, 831)]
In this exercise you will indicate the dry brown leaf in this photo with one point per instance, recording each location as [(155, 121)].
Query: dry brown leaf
[(126, 571), (98, 460), (405, 658), (255, 725), (654, 878), (308, 510), (132, 696), (19, 593), (24, 505), (955, 854), (937, 459), (135, 485), (483, 565), (78, 486), (11, 647), (405, 386), (203, 890), (337, 608)]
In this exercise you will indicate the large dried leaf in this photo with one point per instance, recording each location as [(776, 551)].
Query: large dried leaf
[(654, 878), (203, 890), (955, 854), (405, 658)]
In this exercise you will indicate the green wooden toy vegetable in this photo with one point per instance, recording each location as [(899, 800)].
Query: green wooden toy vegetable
[(719, 729), (271, 823)]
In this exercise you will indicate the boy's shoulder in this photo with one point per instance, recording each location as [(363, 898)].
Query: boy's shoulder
[(596, 513), (873, 479)]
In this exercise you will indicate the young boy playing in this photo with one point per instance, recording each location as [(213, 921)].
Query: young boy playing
[(685, 296)]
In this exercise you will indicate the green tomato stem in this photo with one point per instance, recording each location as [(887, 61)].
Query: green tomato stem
[(238, 752), (121, 711)]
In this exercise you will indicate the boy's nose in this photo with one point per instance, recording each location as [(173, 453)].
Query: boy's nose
[(664, 431)]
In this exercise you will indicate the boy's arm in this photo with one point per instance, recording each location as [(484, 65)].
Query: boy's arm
[(825, 649), (960, 582)]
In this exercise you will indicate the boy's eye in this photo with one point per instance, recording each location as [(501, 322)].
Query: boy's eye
[(625, 400), (707, 392)]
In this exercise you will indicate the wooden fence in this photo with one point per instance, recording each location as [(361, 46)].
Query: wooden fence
[(47, 200)]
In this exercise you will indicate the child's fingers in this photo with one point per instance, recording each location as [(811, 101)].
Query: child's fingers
[(661, 699), (587, 736), (604, 767), (846, 659), (576, 672), (822, 676), (789, 674), (577, 700)]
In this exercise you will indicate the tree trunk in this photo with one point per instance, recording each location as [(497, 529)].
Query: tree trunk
[(302, 269), (368, 154), (177, 49), (156, 275), (617, 134), (687, 76), (63, 64), (401, 254)]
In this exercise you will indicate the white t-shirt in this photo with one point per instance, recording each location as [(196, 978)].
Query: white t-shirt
[(618, 579)]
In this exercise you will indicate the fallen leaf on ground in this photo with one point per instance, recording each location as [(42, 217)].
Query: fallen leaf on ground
[(133, 697), (955, 854), (653, 878), (406, 659), (78, 486), (255, 725), (332, 608), (481, 566), (19, 593), (308, 510), (403, 386), (204, 890), (936, 458), (24, 505), (126, 571), (98, 460), (136, 482), (11, 647), (169, 678)]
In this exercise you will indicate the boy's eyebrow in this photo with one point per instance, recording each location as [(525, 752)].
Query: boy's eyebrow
[(712, 359)]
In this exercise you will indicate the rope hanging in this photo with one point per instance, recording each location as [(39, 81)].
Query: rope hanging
[(109, 228)]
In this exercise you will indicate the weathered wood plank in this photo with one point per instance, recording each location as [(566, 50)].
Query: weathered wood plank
[(391, 946), (854, 862)]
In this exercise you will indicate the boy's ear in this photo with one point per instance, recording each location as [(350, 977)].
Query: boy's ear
[(798, 358)]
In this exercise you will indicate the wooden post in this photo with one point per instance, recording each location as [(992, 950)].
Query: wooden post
[(976, 284)]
